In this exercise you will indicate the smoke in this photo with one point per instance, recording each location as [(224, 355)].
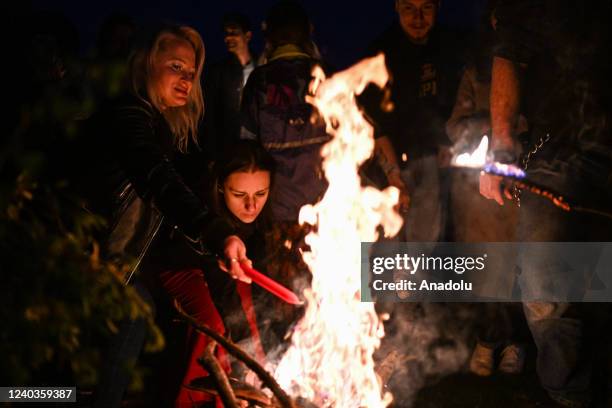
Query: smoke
[(424, 342)]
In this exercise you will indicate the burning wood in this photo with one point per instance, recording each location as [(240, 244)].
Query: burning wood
[(284, 401), (210, 362), (242, 391)]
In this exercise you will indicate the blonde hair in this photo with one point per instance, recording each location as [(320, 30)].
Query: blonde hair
[(183, 121)]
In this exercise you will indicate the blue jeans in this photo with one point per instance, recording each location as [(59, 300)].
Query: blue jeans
[(124, 348), (564, 362), (428, 186)]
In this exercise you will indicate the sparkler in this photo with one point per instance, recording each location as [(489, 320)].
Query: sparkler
[(515, 176)]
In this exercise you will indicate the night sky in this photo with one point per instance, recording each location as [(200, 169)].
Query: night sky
[(343, 29)]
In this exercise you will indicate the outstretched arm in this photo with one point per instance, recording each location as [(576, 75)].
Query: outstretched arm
[(386, 157), (505, 104)]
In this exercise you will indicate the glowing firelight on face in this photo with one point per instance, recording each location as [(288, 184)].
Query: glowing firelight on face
[(329, 361)]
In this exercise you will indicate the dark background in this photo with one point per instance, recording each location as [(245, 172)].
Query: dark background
[(343, 28)]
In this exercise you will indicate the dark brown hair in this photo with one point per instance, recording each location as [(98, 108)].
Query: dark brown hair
[(288, 23), (242, 156)]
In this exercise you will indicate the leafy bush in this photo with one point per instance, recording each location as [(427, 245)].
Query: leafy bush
[(58, 300)]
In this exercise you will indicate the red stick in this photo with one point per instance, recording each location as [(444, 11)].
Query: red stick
[(271, 285)]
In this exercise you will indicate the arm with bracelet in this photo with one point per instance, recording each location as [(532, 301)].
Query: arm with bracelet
[(386, 158), (505, 104)]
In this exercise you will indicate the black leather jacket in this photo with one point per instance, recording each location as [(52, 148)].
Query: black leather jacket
[(132, 181)]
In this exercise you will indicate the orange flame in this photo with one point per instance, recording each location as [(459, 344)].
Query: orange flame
[(330, 359)]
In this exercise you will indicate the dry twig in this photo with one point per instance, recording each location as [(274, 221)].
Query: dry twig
[(210, 362), (284, 400)]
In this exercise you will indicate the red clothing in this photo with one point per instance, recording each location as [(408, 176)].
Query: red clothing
[(246, 300), (190, 289)]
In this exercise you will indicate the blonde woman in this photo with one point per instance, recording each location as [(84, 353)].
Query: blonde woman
[(132, 180)]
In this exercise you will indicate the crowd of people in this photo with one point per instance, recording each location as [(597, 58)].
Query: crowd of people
[(201, 167)]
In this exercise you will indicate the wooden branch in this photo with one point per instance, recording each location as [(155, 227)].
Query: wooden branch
[(284, 400), (209, 361)]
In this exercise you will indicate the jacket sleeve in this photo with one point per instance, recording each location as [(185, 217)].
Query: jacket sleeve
[(210, 125), (249, 109), (155, 178), (466, 124)]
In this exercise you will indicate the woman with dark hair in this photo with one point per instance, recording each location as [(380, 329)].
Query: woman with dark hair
[(129, 177), (241, 182), (245, 160)]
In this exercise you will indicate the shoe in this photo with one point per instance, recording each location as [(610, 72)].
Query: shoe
[(481, 362), (512, 359), (398, 276)]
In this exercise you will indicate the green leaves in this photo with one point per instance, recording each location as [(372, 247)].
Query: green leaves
[(59, 301)]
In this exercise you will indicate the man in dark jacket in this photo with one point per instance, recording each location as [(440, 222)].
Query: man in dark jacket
[(425, 67), (223, 85)]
